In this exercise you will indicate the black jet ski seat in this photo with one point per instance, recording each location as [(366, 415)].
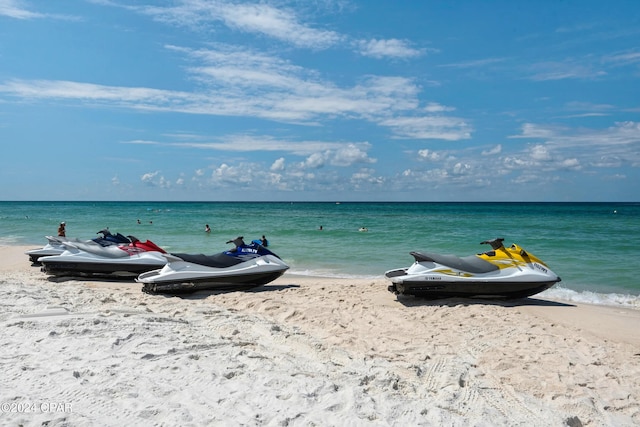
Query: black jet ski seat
[(472, 263), (216, 260)]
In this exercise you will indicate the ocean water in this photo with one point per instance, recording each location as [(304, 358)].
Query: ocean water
[(593, 247)]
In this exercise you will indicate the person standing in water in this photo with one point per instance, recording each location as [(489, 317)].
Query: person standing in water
[(207, 229), (62, 232)]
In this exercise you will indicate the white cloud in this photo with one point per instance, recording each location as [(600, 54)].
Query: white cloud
[(429, 127), (236, 81), (317, 160), (154, 179), (434, 107), (238, 175), (280, 24), (530, 130), (493, 151), (350, 154), (623, 59), (261, 18), (249, 143), (571, 164), (569, 69), (278, 165), (390, 48), (429, 155), (461, 169), (366, 176), (17, 9), (539, 153), (148, 178), (477, 63)]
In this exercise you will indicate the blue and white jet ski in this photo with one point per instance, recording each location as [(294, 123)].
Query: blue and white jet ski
[(244, 267)]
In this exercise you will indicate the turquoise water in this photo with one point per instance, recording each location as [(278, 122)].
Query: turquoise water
[(594, 247)]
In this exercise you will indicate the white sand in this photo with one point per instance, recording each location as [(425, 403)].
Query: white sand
[(306, 351)]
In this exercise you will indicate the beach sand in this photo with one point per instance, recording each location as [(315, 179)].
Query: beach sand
[(306, 351)]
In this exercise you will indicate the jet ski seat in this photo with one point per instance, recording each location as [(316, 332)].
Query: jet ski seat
[(216, 260), (472, 263)]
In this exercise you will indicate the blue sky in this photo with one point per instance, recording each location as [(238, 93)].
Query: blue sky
[(321, 100)]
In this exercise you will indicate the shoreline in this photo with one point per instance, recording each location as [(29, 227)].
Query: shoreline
[(311, 350)]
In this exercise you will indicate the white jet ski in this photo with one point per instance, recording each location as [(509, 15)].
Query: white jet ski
[(245, 267), (89, 259), (55, 244), (500, 273)]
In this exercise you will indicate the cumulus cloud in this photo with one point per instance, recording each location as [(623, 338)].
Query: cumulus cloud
[(154, 179), (278, 165), (429, 155), (461, 169), (317, 160), (149, 177), (343, 156), (539, 153), (366, 176), (351, 154)]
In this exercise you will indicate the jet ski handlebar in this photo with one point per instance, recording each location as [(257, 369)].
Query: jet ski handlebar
[(495, 243), (238, 241)]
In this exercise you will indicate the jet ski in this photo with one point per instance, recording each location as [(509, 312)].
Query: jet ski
[(55, 244), (504, 273), (244, 267), (92, 259)]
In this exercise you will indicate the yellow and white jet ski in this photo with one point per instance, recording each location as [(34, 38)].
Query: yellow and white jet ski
[(502, 272)]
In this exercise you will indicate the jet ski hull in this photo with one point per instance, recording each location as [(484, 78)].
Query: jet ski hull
[(471, 289), (96, 269), (230, 283)]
